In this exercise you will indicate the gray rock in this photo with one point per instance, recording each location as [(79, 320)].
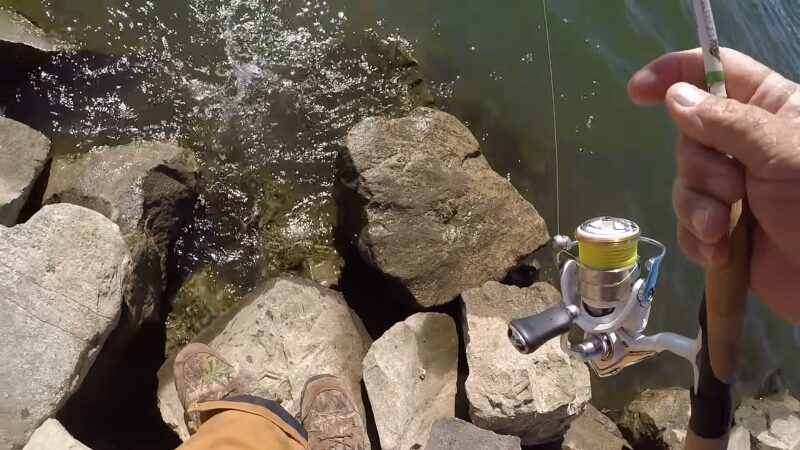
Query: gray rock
[(531, 396), (421, 205), (288, 331), (449, 433), (52, 436), (410, 373), (145, 188), (657, 419), (773, 422), (740, 439), (593, 430), (17, 30), (61, 284), (23, 154)]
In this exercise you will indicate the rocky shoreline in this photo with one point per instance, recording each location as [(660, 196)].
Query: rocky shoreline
[(84, 268)]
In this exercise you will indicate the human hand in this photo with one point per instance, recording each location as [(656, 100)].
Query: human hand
[(759, 127)]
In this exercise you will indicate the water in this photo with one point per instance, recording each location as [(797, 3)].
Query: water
[(264, 90)]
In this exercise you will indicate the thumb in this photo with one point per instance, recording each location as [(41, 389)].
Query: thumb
[(748, 133)]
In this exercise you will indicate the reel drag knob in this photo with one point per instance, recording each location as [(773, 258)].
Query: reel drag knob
[(530, 333)]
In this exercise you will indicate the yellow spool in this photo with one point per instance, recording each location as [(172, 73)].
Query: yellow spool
[(608, 243)]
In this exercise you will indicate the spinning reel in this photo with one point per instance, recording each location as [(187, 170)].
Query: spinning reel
[(608, 295)]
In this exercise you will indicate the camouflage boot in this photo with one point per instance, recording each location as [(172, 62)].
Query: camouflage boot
[(203, 375), (329, 414)]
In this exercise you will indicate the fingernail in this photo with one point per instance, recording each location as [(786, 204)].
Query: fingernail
[(688, 95), (700, 219), (707, 252)]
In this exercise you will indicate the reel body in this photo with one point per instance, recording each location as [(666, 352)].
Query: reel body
[(608, 295)]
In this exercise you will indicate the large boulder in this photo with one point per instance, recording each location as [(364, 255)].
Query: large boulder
[(532, 396), (61, 286), (657, 419), (410, 373), (52, 436), (773, 422), (449, 433), (421, 205), (23, 154), (593, 430), (147, 189), (286, 332)]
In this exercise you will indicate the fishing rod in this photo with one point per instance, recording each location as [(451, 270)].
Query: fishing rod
[(608, 294)]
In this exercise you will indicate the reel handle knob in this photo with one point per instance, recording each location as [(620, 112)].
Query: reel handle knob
[(530, 333)]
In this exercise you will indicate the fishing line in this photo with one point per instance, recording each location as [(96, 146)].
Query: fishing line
[(555, 123)]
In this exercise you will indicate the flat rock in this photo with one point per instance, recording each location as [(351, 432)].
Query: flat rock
[(593, 430), (532, 396), (61, 284), (23, 154), (449, 433), (286, 332), (52, 436), (773, 422), (657, 419), (16, 29), (147, 189), (421, 205), (410, 373)]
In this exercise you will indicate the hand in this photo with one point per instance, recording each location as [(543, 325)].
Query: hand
[(760, 128)]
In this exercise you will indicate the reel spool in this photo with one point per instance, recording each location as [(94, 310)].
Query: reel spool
[(606, 296)]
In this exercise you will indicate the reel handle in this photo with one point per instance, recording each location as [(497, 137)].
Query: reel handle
[(530, 333)]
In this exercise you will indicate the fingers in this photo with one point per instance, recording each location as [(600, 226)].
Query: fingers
[(748, 133), (706, 218), (744, 75), (709, 172), (701, 253)]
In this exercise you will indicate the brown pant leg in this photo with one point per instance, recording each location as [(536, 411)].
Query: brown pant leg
[(242, 426)]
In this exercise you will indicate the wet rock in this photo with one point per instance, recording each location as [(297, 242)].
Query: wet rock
[(61, 287), (740, 439), (410, 373), (449, 433), (773, 422), (657, 419), (145, 188), (17, 30), (23, 155), (593, 430), (421, 205), (52, 436), (286, 332), (531, 396)]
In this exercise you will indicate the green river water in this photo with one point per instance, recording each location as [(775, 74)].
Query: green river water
[(263, 90)]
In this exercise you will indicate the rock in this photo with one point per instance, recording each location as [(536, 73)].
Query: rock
[(740, 439), (410, 373), (531, 396), (23, 154), (52, 436), (449, 433), (593, 430), (286, 332), (773, 422), (61, 285), (421, 205), (145, 188), (657, 419), (17, 30)]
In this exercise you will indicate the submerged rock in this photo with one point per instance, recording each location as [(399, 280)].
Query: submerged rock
[(421, 204), (740, 439), (52, 436), (410, 373), (286, 332), (532, 396), (61, 288), (773, 422), (593, 430), (17, 30), (449, 433), (23, 155), (145, 188), (657, 419)]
